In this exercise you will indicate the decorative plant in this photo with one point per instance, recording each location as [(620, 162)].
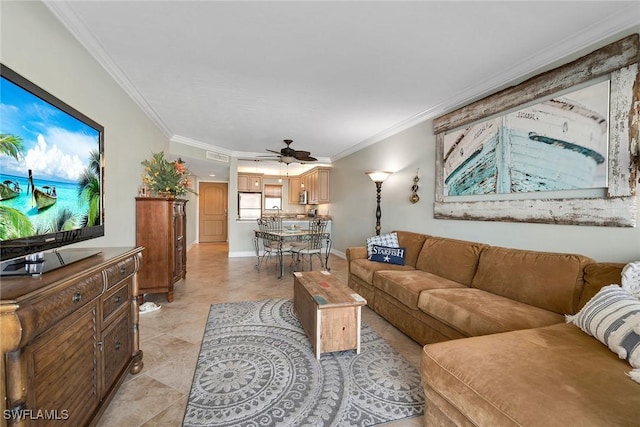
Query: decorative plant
[(163, 176)]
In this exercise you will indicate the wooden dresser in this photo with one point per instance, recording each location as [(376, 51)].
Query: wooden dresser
[(161, 230), (69, 337)]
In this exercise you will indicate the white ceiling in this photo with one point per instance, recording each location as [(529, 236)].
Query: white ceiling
[(238, 77)]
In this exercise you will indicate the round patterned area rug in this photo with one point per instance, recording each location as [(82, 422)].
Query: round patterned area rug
[(256, 368)]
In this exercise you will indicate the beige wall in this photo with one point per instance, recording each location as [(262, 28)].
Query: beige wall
[(353, 204), (37, 46)]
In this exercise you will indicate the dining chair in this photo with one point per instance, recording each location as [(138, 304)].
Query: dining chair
[(313, 244), (270, 244)]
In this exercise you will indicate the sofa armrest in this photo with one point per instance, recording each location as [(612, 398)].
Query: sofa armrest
[(356, 252)]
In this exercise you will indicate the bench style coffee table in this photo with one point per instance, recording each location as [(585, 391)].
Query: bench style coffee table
[(329, 311)]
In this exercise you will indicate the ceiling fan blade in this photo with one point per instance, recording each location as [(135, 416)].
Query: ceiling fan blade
[(300, 153), (272, 151), (307, 159)]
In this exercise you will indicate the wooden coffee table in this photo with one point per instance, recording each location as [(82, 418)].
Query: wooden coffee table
[(329, 311)]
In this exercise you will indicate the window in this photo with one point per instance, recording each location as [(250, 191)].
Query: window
[(272, 196)]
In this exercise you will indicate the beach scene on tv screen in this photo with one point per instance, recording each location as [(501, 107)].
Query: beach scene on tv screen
[(49, 167)]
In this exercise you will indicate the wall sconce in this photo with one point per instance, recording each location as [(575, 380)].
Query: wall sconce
[(378, 177), (414, 198)]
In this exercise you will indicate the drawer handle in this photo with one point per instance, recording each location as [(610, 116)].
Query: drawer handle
[(118, 345), (77, 297), (123, 271), (117, 299)]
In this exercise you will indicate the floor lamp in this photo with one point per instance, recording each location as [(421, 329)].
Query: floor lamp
[(378, 177)]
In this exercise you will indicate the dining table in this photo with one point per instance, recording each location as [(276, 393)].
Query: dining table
[(289, 234)]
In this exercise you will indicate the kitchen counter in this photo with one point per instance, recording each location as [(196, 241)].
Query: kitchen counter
[(245, 232), (292, 218)]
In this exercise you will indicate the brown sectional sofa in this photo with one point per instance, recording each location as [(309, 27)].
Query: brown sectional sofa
[(504, 354)]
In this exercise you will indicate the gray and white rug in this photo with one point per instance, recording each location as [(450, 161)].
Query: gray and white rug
[(256, 368)]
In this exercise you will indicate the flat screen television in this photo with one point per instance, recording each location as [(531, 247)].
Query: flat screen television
[(51, 178)]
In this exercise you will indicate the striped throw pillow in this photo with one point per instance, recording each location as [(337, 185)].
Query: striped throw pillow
[(631, 278), (613, 317)]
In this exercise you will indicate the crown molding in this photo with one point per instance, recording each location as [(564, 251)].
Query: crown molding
[(77, 27), (199, 144), (612, 26)]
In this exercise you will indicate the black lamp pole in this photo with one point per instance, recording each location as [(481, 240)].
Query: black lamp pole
[(377, 178), (378, 211)]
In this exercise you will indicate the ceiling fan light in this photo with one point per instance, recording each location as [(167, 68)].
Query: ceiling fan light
[(287, 159)]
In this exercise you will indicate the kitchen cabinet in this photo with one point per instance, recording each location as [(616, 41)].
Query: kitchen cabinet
[(161, 229), (69, 338), (316, 182), (294, 190), (251, 183), (322, 186)]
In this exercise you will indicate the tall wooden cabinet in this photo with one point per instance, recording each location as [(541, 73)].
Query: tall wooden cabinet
[(161, 230), (68, 339)]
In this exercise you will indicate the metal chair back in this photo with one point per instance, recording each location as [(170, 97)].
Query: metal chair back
[(316, 235)]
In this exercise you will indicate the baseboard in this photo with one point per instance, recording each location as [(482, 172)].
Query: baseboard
[(242, 254)]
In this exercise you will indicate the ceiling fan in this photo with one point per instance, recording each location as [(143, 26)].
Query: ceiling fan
[(289, 155)]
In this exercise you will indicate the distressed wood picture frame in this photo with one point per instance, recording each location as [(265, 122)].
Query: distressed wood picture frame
[(618, 205)]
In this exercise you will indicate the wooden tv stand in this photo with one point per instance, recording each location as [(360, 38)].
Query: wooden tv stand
[(68, 339)]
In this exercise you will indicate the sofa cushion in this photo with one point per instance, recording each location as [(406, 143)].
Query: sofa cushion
[(552, 376), (405, 286), (364, 268), (475, 312), (613, 317), (552, 281), (413, 242), (452, 259), (597, 275)]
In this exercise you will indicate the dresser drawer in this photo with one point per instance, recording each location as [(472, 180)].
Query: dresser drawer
[(116, 298), (116, 348), (43, 314), (116, 273)]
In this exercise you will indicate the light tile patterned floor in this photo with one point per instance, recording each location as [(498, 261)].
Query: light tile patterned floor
[(170, 337)]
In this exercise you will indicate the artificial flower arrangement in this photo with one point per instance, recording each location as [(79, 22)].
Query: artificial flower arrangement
[(165, 177)]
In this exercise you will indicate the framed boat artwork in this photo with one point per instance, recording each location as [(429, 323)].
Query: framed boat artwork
[(561, 147), (557, 144)]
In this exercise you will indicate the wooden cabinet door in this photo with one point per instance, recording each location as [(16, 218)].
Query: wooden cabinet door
[(250, 183), (155, 231), (243, 182), (255, 182), (116, 348), (65, 369), (323, 186), (294, 191)]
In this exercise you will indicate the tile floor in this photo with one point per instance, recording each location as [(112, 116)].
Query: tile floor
[(170, 337)]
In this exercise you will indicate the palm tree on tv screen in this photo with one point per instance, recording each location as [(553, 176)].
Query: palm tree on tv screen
[(11, 145), (13, 223), (89, 188)]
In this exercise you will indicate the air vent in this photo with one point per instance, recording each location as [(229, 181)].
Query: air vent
[(217, 156)]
